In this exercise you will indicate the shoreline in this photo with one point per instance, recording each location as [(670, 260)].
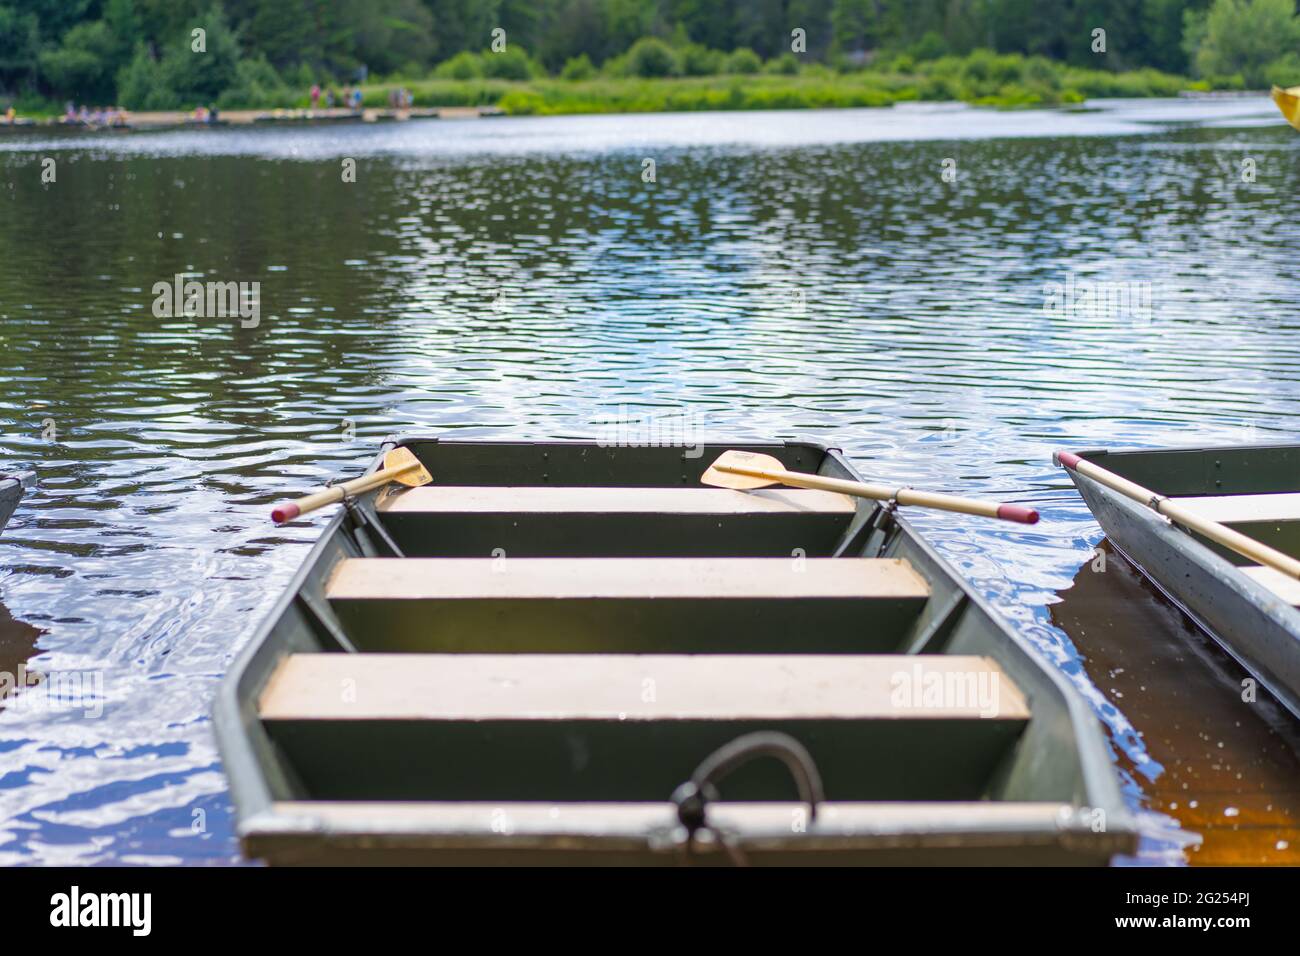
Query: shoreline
[(149, 121), (184, 119)]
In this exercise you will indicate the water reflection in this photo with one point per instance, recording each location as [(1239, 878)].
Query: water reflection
[(838, 289), (1224, 768), (17, 645)]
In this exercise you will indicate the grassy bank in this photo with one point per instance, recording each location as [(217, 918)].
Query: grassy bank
[(983, 78), (1000, 81)]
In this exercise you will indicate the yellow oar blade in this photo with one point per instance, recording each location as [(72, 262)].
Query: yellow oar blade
[(741, 459), (402, 457)]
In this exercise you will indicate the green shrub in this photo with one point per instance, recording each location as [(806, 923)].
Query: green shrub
[(694, 59), (463, 66), (787, 64), (940, 88), (578, 68), (142, 86), (1041, 72), (522, 103), (650, 56), (257, 85), (930, 47), (302, 78), (743, 61), (512, 63)]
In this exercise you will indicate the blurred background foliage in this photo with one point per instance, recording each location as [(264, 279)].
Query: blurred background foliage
[(269, 52)]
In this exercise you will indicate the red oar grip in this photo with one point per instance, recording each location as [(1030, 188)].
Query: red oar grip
[(285, 512), (1018, 513), (1068, 459)]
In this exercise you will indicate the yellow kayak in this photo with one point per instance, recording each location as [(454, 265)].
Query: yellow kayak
[(1288, 101)]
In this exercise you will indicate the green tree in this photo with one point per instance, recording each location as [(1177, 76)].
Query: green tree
[(20, 41), (1246, 36), (576, 28), (383, 35), (1162, 25), (85, 65), (855, 24), (141, 86)]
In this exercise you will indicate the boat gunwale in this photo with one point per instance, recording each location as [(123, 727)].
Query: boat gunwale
[(651, 828), (1098, 456), (257, 815)]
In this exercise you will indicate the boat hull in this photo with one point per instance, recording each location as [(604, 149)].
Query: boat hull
[(1046, 797), (11, 492), (1250, 621), (1288, 101)]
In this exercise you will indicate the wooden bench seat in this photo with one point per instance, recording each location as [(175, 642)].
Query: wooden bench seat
[(690, 605), (463, 521), (632, 727), (462, 499), (1244, 509), (632, 687)]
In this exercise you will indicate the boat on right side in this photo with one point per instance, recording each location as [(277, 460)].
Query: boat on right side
[(1288, 101), (1217, 529)]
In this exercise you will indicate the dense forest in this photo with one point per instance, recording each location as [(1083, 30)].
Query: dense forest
[(141, 52)]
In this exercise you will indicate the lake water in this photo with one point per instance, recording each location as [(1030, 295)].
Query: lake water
[(809, 274)]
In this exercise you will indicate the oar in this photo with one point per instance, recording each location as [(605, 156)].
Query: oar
[(745, 470), (400, 465), (1169, 508)]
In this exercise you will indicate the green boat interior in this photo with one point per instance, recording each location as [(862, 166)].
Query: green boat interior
[(568, 630), (1252, 489)]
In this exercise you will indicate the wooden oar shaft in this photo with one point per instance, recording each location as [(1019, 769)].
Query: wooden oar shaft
[(904, 496), (1220, 534), (327, 496)]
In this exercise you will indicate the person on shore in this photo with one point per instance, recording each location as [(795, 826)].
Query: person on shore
[(315, 95), (10, 115), (357, 99)]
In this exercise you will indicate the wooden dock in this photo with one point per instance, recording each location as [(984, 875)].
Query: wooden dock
[(177, 119)]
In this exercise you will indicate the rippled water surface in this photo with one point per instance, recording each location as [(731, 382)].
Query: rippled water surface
[(787, 274)]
